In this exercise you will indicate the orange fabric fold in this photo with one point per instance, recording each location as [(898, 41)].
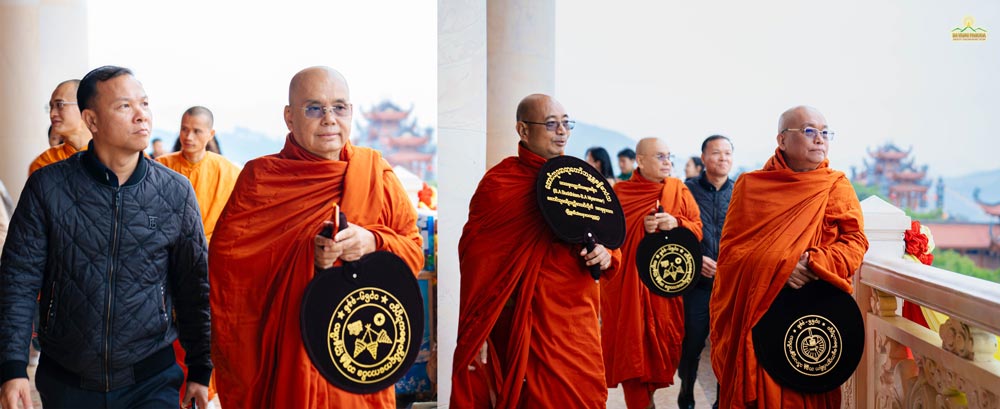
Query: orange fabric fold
[(212, 178), (642, 332), (530, 297), (261, 259), (775, 215), (52, 155)]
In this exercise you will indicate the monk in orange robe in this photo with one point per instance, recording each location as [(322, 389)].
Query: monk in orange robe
[(64, 115), (642, 332), (792, 222), (266, 249), (212, 177), (525, 294)]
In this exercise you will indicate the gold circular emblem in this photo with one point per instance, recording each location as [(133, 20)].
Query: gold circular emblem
[(369, 332), (813, 345), (671, 268)]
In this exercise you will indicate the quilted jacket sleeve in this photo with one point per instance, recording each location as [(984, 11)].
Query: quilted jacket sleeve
[(189, 264), (22, 266)]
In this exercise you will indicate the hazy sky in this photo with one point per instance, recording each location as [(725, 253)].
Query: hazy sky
[(879, 70), (237, 57)]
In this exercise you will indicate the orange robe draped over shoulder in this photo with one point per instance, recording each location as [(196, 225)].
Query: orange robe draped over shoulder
[(775, 215), (52, 155), (261, 259), (530, 297), (212, 178), (642, 332)]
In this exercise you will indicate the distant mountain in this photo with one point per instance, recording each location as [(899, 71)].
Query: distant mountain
[(241, 144), (585, 136), (958, 201)]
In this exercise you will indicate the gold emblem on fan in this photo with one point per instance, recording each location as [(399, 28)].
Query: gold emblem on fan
[(813, 345), (672, 268), (376, 327)]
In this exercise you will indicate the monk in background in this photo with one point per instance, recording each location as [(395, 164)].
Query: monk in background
[(642, 332), (211, 176), (525, 294), (266, 248), (792, 222), (66, 123)]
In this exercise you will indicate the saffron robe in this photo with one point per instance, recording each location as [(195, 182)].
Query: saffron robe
[(262, 258), (641, 331), (53, 155), (775, 215), (212, 178), (530, 297)]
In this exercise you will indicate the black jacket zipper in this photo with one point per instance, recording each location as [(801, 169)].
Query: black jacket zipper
[(113, 255)]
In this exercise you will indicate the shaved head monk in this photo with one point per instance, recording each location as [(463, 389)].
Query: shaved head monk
[(641, 331), (792, 222), (66, 124), (266, 248), (525, 294), (211, 176)]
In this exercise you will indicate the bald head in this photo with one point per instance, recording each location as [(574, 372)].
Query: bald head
[(319, 111), (532, 113), (801, 152), (652, 157), (312, 77)]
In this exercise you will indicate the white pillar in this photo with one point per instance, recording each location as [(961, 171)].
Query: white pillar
[(63, 41), (461, 156), (521, 36), (884, 227), (21, 98)]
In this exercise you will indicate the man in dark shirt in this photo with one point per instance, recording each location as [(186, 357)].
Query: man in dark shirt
[(712, 190)]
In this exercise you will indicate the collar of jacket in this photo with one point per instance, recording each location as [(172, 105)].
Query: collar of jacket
[(703, 181), (105, 176)]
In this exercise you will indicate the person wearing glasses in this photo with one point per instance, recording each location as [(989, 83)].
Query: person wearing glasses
[(113, 243), (790, 223), (527, 296), (641, 332), (266, 248), (67, 125)]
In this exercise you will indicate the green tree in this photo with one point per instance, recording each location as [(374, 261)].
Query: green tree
[(954, 261)]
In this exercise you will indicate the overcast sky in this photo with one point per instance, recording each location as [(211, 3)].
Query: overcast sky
[(879, 70), (237, 58)]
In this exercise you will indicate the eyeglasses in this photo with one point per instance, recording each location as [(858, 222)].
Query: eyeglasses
[(664, 157), (812, 133), (553, 125), (338, 110), (58, 106)]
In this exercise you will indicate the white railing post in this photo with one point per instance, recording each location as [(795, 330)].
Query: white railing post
[(884, 227)]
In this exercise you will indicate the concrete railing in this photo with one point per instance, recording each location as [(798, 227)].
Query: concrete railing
[(906, 365)]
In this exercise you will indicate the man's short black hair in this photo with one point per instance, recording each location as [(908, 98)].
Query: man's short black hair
[(627, 152), (200, 110), (87, 90), (714, 137)]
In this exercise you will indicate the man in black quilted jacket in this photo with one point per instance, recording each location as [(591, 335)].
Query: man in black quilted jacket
[(113, 241)]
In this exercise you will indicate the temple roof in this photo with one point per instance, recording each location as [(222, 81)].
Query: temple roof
[(992, 209), (960, 236)]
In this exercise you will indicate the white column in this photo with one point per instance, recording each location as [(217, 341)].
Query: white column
[(22, 100), (884, 227), (521, 36), (462, 150), (64, 42)]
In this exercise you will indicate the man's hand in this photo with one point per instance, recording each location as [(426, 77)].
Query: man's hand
[(354, 242), (801, 273), (14, 391), (600, 256), (662, 221), (197, 391), (708, 267), (327, 250)]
